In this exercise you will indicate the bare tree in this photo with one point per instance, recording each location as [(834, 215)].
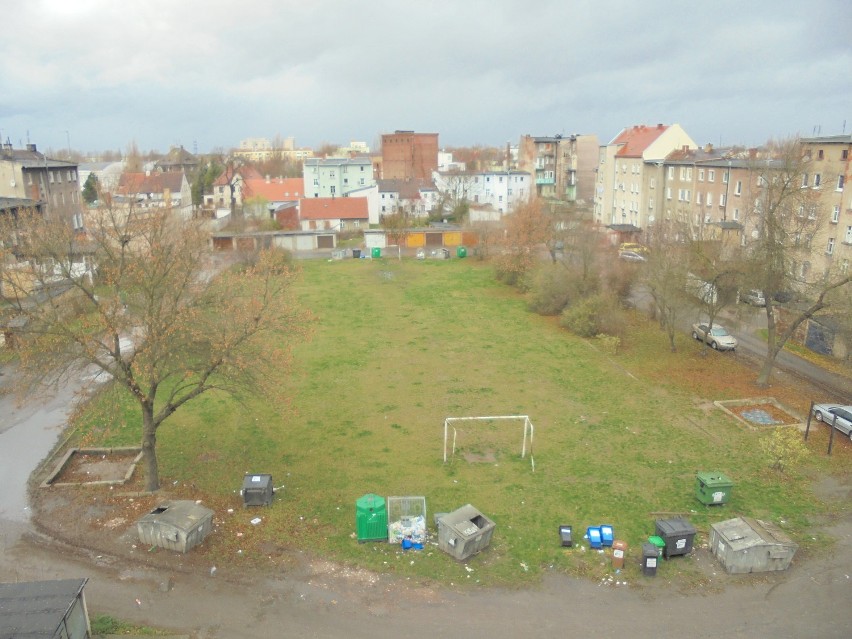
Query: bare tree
[(785, 217), (150, 284)]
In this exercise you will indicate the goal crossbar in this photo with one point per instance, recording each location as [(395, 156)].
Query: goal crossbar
[(529, 431)]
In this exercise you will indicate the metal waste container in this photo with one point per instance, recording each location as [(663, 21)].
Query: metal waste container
[(461, 251), (713, 488), (371, 518), (257, 490), (678, 534), (376, 252), (356, 253), (565, 536), (649, 560), (464, 532)]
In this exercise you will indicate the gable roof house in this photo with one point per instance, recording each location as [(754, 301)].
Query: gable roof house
[(333, 213), (155, 191), (416, 197), (230, 182), (630, 174), (262, 197), (177, 159)]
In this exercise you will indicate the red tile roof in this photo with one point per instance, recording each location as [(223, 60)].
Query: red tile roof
[(333, 208), (275, 190), (638, 138)]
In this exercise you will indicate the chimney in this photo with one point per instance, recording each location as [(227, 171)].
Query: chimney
[(708, 148), (660, 126), (31, 148)]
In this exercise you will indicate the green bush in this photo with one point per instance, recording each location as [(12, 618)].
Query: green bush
[(594, 315), (784, 448), (550, 290)]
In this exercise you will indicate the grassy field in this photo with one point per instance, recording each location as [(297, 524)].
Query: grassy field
[(399, 346)]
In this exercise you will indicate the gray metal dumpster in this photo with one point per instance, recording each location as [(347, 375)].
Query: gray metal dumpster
[(176, 525), (464, 532)]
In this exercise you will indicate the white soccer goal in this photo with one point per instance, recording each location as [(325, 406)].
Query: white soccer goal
[(529, 431)]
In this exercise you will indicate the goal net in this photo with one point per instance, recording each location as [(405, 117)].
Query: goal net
[(489, 431)]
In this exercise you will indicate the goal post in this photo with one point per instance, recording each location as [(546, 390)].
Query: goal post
[(528, 432)]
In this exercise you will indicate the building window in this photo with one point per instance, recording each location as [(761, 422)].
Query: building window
[(817, 180), (651, 204), (736, 215), (725, 176), (820, 154), (804, 180), (711, 175), (841, 180), (835, 214), (698, 197), (830, 248), (709, 199), (671, 173), (652, 183), (700, 175), (332, 190), (723, 200), (844, 267), (739, 188), (844, 154), (668, 192), (848, 239), (50, 176)]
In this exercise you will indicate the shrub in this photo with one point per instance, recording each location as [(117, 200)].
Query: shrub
[(594, 315), (784, 448), (550, 290)]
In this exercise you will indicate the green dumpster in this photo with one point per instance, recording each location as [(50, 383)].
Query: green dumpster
[(376, 252), (713, 488), (461, 251), (371, 518)]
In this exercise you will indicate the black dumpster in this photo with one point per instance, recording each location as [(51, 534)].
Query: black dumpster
[(678, 534), (257, 490), (565, 536), (356, 253), (649, 560)]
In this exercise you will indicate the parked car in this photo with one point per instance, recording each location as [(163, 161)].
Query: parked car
[(841, 415), (631, 256), (634, 247), (754, 297), (782, 297), (718, 338)]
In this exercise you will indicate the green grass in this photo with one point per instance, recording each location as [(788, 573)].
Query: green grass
[(399, 346), (107, 625)]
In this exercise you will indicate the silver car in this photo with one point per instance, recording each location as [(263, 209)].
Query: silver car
[(718, 338), (754, 297), (840, 415)]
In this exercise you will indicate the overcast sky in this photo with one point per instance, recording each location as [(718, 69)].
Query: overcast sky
[(206, 74)]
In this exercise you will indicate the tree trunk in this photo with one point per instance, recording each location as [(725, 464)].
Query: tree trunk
[(149, 448), (771, 350)]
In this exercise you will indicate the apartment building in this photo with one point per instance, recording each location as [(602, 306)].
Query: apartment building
[(50, 185), (828, 171), (630, 176), (336, 177), (564, 167), (409, 155)]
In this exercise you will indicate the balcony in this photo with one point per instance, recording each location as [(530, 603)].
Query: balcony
[(545, 180)]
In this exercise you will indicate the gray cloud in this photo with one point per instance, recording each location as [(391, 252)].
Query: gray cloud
[(210, 73)]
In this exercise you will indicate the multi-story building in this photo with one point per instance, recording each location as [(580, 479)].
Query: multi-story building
[(406, 154), (499, 191), (50, 185), (564, 167), (630, 174), (416, 198), (828, 166), (336, 177)]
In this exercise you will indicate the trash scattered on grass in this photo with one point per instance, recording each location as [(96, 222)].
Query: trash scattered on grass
[(256, 521)]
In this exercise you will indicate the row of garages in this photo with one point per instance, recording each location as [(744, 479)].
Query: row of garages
[(300, 241)]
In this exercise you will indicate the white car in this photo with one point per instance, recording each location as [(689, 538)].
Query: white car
[(840, 415), (718, 338), (631, 256)]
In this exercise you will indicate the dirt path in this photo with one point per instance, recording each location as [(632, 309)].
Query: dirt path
[(319, 599)]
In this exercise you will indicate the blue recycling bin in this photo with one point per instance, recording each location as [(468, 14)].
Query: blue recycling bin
[(607, 535), (593, 533)]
